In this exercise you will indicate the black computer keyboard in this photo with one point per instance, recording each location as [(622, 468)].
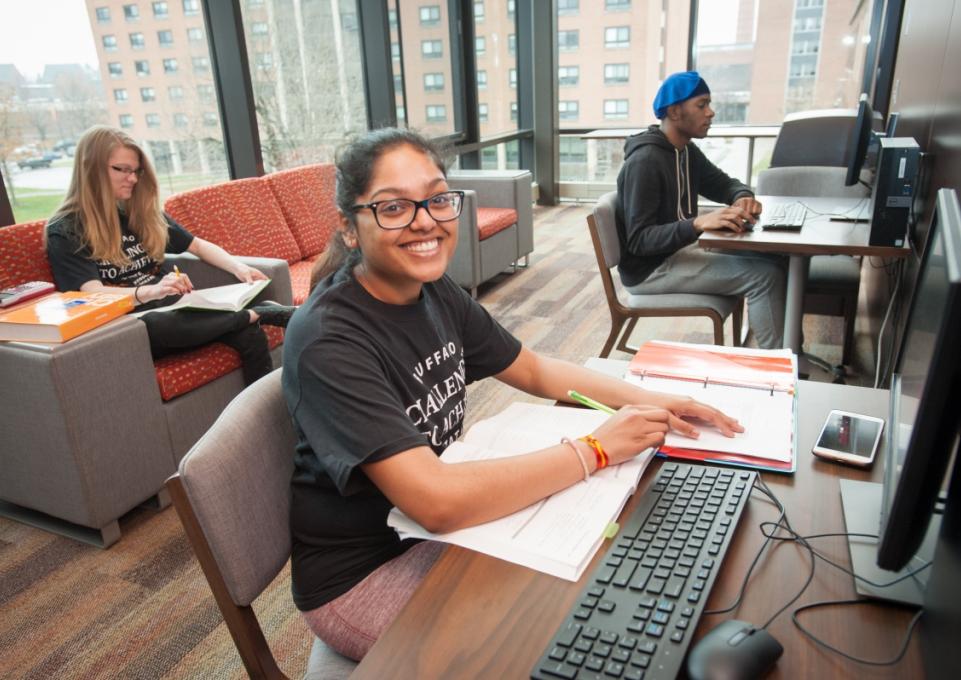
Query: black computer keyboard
[(640, 606)]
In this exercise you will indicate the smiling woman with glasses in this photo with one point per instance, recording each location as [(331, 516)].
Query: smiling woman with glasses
[(376, 365), (110, 234)]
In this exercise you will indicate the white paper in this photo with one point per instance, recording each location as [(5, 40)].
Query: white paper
[(230, 298)]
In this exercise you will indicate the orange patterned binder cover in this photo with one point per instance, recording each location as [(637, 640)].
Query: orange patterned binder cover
[(62, 316)]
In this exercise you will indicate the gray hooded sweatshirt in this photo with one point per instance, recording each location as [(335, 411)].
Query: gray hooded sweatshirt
[(657, 190)]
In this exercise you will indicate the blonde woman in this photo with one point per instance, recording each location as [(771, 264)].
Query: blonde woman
[(110, 234)]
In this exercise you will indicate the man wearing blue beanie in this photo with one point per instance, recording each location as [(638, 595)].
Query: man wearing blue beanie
[(658, 223)]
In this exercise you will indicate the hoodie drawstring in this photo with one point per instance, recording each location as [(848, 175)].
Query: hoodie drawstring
[(687, 180)]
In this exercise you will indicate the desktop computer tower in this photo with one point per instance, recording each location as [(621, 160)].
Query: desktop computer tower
[(894, 184)]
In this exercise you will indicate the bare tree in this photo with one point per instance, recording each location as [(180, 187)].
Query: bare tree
[(10, 137)]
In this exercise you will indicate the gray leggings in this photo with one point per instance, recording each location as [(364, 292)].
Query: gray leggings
[(760, 277)]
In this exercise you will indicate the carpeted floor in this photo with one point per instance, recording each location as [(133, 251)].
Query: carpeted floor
[(142, 608)]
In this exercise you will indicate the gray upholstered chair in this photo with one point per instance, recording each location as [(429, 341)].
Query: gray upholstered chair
[(833, 280), (232, 492), (496, 227), (624, 316)]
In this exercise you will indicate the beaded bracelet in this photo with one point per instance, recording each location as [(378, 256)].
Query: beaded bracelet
[(599, 453), (580, 458)]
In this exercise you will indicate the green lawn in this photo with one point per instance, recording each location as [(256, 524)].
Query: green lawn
[(35, 205)]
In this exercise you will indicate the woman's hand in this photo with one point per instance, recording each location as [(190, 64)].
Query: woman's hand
[(685, 407), (631, 430), (171, 284), (248, 274)]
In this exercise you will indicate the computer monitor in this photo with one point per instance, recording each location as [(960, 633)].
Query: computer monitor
[(858, 141), (892, 127), (925, 393)]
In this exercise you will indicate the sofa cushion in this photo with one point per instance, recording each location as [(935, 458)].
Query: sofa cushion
[(185, 371), (22, 254), (300, 278), (492, 220), (306, 198), (242, 216)]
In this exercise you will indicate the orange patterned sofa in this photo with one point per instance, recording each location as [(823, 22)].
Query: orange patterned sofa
[(288, 215), (93, 427)]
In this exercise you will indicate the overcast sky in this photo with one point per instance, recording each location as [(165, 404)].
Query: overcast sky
[(38, 32)]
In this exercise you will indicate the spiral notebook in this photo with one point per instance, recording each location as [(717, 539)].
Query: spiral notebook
[(755, 386)]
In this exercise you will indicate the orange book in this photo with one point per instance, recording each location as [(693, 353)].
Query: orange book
[(62, 316)]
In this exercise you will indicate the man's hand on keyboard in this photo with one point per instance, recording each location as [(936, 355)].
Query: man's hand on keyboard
[(750, 204), (733, 218)]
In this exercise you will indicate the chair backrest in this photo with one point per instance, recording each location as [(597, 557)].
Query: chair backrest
[(816, 138), (232, 492), (23, 257), (807, 181), (607, 246), (306, 197)]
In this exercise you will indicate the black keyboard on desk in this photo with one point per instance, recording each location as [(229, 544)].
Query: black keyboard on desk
[(641, 604)]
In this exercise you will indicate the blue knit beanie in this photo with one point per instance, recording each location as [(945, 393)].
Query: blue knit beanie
[(677, 88)]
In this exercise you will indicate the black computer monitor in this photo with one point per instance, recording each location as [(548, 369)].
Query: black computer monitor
[(925, 414), (858, 141), (892, 127)]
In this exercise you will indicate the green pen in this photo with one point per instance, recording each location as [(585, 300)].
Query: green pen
[(590, 403)]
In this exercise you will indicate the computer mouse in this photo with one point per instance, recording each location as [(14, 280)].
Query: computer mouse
[(733, 650)]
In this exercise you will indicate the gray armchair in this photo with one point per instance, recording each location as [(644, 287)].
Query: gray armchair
[(86, 435), (490, 239)]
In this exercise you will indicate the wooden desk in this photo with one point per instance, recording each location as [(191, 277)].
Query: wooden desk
[(818, 236), (477, 617)]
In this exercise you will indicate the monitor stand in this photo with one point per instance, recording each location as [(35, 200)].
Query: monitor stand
[(862, 515)]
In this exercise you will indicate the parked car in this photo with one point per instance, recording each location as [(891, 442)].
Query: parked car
[(42, 161)]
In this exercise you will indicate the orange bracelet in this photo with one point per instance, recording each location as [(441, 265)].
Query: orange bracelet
[(599, 453)]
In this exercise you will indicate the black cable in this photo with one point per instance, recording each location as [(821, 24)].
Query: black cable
[(870, 662)]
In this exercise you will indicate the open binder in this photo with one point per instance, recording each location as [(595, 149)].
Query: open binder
[(755, 386)]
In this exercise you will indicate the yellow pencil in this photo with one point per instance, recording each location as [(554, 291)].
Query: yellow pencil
[(177, 271)]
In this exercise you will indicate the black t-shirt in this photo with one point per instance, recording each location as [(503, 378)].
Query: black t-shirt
[(365, 380), (73, 266)]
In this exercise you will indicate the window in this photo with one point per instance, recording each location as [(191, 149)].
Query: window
[(200, 64), (568, 110), (255, 3), (195, 35), (480, 45), (160, 10), (617, 37), (147, 94), (131, 12), (110, 43), (264, 61), (103, 15), (807, 24), (170, 65), (615, 109), (205, 93), (142, 67), (429, 15), (153, 120), (567, 6), (175, 93), (512, 77), (514, 111), (180, 120), (433, 81), (481, 80), (398, 83), (617, 5), (511, 43), (568, 40), (115, 69), (191, 7), (126, 120), (511, 11), (615, 74), (120, 95), (803, 70), (165, 38), (136, 41), (805, 47), (395, 50), (210, 119), (259, 29), (568, 75), (392, 18), (478, 12), (483, 113), (431, 49), (436, 113)]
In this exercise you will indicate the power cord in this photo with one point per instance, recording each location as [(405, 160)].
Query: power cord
[(771, 530)]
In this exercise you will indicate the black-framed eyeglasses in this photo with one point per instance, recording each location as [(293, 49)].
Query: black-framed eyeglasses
[(399, 213), (127, 171)]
